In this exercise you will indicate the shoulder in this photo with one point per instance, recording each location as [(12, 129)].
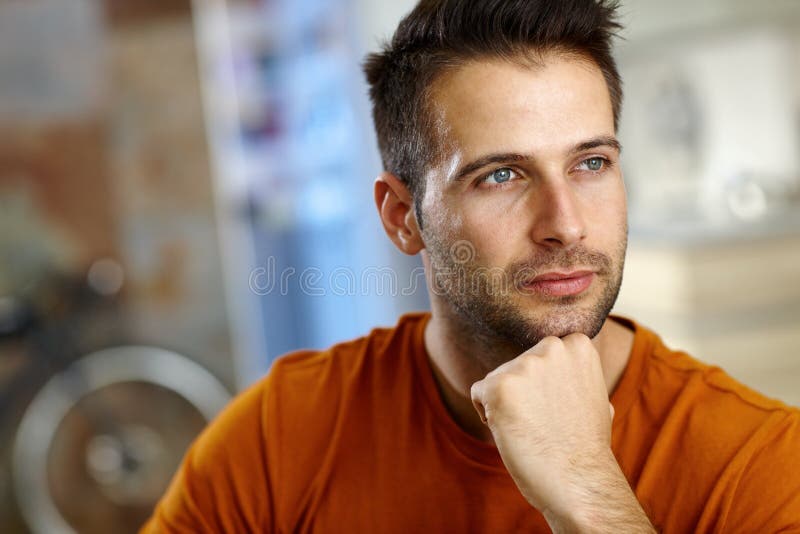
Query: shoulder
[(711, 389), (303, 379), (667, 379), (308, 390), (315, 399), (250, 468), (712, 417), (732, 450), (342, 363)]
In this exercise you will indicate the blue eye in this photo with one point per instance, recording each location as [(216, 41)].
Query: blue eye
[(594, 164), (499, 176)]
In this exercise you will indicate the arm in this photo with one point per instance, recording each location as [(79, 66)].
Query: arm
[(550, 418), (767, 495)]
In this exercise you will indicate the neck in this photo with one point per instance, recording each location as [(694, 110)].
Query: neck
[(456, 363)]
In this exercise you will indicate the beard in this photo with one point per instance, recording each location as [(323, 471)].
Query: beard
[(488, 304)]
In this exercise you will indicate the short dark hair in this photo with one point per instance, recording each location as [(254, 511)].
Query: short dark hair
[(441, 34)]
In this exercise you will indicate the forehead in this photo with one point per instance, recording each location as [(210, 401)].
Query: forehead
[(496, 104)]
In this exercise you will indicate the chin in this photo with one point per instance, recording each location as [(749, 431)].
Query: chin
[(525, 330), (562, 324)]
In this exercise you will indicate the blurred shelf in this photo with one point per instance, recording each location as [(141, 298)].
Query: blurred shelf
[(730, 303), (699, 234)]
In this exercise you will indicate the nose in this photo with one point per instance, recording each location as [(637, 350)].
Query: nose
[(558, 220)]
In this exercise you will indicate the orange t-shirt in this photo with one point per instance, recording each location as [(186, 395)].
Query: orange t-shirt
[(356, 439)]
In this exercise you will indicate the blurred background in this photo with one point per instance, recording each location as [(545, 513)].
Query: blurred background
[(185, 194)]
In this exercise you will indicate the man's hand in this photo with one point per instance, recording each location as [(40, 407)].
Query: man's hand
[(549, 414)]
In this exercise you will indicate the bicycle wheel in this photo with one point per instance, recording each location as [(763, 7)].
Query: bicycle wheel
[(98, 444)]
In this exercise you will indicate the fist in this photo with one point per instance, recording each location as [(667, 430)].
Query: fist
[(550, 417)]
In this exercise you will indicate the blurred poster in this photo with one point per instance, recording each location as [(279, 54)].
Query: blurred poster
[(51, 59)]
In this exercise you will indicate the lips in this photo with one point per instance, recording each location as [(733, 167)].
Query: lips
[(560, 284)]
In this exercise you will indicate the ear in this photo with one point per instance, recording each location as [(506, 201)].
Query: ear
[(396, 209)]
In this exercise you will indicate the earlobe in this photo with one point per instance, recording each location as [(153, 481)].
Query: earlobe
[(396, 209)]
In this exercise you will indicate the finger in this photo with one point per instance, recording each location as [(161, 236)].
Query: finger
[(576, 340), (476, 394), (611, 409), (580, 344), (546, 345)]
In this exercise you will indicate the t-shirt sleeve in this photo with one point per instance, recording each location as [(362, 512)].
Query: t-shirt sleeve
[(767, 497), (222, 483)]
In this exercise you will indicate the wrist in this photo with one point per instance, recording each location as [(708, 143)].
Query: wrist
[(597, 498), (627, 517)]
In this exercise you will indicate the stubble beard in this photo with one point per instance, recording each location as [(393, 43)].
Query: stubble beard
[(490, 314)]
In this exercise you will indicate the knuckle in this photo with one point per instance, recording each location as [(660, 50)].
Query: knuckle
[(551, 341), (501, 387), (577, 338), (528, 360), (547, 345), (502, 383), (580, 345)]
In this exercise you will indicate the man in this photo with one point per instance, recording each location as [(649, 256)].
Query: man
[(518, 404)]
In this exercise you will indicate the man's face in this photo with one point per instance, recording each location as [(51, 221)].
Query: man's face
[(525, 220)]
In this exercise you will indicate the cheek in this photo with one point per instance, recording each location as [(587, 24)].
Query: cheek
[(444, 222), (452, 219), (603, 198), (495, 234), (605, 214)]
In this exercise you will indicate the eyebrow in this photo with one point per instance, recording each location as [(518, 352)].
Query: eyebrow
[(510, 157)]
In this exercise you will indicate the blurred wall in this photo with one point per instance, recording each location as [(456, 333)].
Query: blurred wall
[(104, 156), (105, 190), (163, 195)]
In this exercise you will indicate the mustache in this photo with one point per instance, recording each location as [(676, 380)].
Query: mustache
[(560, 259)]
